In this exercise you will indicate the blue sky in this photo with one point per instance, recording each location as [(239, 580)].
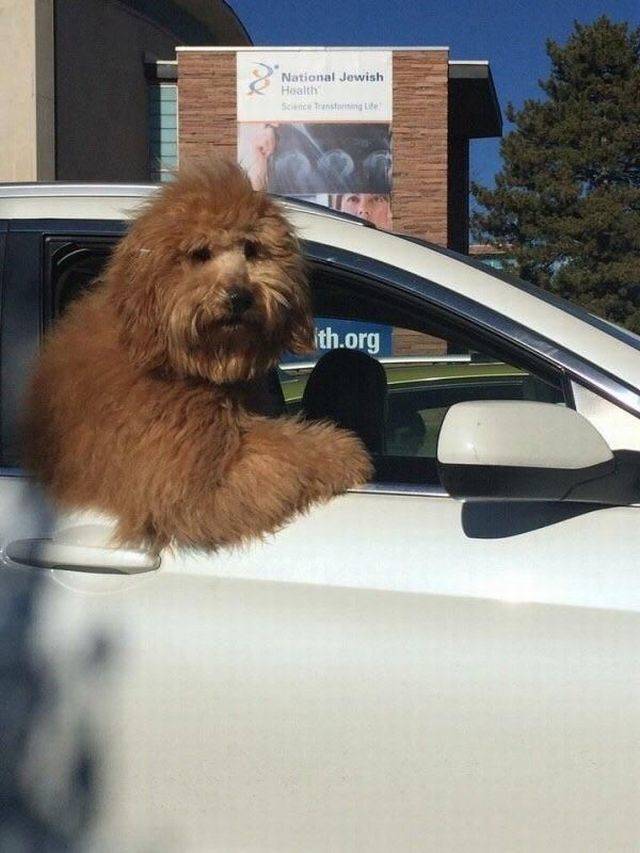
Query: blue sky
[(510, 35)]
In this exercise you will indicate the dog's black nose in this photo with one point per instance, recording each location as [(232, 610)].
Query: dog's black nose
[(240, 300)]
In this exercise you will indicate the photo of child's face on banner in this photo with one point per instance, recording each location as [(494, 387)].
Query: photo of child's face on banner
[(346, 166)]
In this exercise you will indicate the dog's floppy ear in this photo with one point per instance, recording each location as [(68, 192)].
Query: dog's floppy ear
[(302, 331), (130, 282), (301, 328)]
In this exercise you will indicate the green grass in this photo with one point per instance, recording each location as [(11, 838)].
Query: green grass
[(397, 374)]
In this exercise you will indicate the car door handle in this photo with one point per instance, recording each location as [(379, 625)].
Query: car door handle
[(52, 554)]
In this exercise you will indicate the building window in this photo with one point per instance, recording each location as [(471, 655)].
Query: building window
[(163, 130)]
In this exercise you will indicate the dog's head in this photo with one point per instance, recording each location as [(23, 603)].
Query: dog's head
[(209, 281)]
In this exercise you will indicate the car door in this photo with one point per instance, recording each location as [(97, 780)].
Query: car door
[(395, 670)]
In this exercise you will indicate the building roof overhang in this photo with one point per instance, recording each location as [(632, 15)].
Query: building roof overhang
[(474, 111)]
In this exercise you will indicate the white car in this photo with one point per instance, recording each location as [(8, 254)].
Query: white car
[(447, 659)]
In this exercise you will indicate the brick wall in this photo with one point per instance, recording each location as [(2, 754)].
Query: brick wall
[(420, 92), (420, 148), (206, 105), (407, 342)]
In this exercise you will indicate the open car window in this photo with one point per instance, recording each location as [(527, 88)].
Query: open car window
[(428, 368)]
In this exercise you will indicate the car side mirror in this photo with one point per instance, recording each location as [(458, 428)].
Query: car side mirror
[(518, 449)]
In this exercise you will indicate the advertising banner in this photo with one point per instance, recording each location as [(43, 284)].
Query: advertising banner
[(314, 85), (316, 124)]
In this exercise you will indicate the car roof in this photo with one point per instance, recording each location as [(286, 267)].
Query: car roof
[(62, 200), (530, 307)]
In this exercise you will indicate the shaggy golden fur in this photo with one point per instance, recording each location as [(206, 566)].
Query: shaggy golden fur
[(140, 405)]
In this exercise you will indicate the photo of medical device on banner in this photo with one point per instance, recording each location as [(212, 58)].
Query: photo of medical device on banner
[(317, 125)]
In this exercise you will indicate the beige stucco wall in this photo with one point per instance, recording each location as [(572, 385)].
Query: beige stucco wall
[(26, 91)]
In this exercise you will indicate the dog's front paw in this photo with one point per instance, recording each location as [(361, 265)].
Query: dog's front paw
[(350, 461), (336, 461)]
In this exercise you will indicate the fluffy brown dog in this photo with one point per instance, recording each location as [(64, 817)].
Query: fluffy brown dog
[(141, 404)]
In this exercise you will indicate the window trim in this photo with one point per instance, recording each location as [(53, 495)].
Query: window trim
[(428, 490)]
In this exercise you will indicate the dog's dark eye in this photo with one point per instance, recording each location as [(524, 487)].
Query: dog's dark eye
[(251, 249), (201, 255)]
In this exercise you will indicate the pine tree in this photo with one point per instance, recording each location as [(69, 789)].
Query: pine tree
[(566, 203)]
